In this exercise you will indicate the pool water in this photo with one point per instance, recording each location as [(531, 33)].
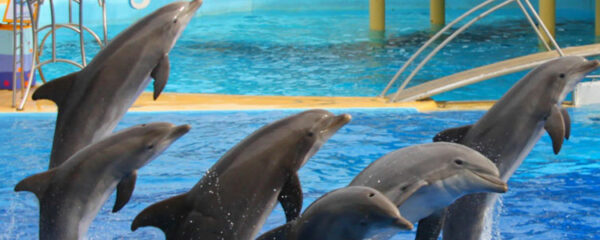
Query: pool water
[(550, 197), (330, 53)]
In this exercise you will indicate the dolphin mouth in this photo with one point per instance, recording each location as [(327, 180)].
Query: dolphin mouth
[(335, 123), (587, 66), (194, 5), (180, 131), (494, 183), (402, 223)]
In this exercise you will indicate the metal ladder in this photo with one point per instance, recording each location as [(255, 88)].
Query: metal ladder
[(523, 8), (33, 6)]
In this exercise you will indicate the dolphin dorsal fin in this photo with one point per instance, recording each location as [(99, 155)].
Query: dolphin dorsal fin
[(37, 183), (124, 190), (56, 89), (453, 135), (555, 126), (166, 215), (290, 197), (279, 233)]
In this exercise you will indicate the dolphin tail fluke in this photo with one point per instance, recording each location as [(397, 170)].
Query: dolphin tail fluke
[(290, 197), (555, 125), (37, 183), (166, 214), (279, 233), (161, 75), (56, 89), (124, 190), (429, 228), (453, 135)]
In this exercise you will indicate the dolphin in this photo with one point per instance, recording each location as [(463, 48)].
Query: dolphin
[(424, 179), (92, 101), (349, 213), (507, 133), (71, 194), (237, 194)]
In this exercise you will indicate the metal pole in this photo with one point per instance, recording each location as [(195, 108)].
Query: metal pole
[(429, 42), (543, 26), (81, 43), (377, 15), (33, 64), (535, 28), (445, 42), (21, 49), (14, 80), (437, 14)]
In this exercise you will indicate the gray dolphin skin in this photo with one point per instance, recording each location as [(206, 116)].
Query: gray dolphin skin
[(424, 179), (349, 213), (237, 194), (71, 194), (92, 101), (507, 133)]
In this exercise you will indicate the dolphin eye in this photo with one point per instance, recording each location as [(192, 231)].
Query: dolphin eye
[(363, 222), (371, 194), (458, 162), (562, 75), (310, 134), (175, 20), (151, 146)]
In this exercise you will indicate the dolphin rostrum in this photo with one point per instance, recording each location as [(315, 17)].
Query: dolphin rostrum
[(71, 194), (424, 179), (507, 133), (92, 101), (350, 213), (237, 194)]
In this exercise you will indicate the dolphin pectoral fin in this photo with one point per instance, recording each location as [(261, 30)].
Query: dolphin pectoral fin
[(56, 89), (37, 183), (279, 233), (567, 121), (125, 190), (453, 135), (431, 226), (405, 192), (555, 126), (166, 215), (290, 197), (160, 75)]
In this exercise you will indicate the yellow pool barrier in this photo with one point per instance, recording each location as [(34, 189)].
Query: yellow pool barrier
[(548, 16), (377, 15), (437, 14)]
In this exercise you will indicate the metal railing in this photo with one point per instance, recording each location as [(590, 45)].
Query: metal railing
[(33, 7), (462, 29)]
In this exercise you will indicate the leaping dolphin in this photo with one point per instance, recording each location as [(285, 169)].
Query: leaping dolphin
[(237, 194), (92, 101), (350, 213), (509, 130), (71, 194), (424, 179)]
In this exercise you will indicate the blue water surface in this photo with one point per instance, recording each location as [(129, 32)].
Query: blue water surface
[(550, 197), (332, 53)]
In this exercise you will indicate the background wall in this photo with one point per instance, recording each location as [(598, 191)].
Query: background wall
[(121, 12)]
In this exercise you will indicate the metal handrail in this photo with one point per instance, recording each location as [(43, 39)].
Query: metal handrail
[(460, 30), (79, 28), (445, 42), (430, 41)]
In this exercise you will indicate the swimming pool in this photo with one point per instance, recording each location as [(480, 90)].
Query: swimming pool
[(329, 53), (550, 197)]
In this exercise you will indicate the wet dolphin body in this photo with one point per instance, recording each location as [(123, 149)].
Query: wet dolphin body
[(349, 213), (234, 198), (507, 133), (92, 101), (424, 179), (71, 194)]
